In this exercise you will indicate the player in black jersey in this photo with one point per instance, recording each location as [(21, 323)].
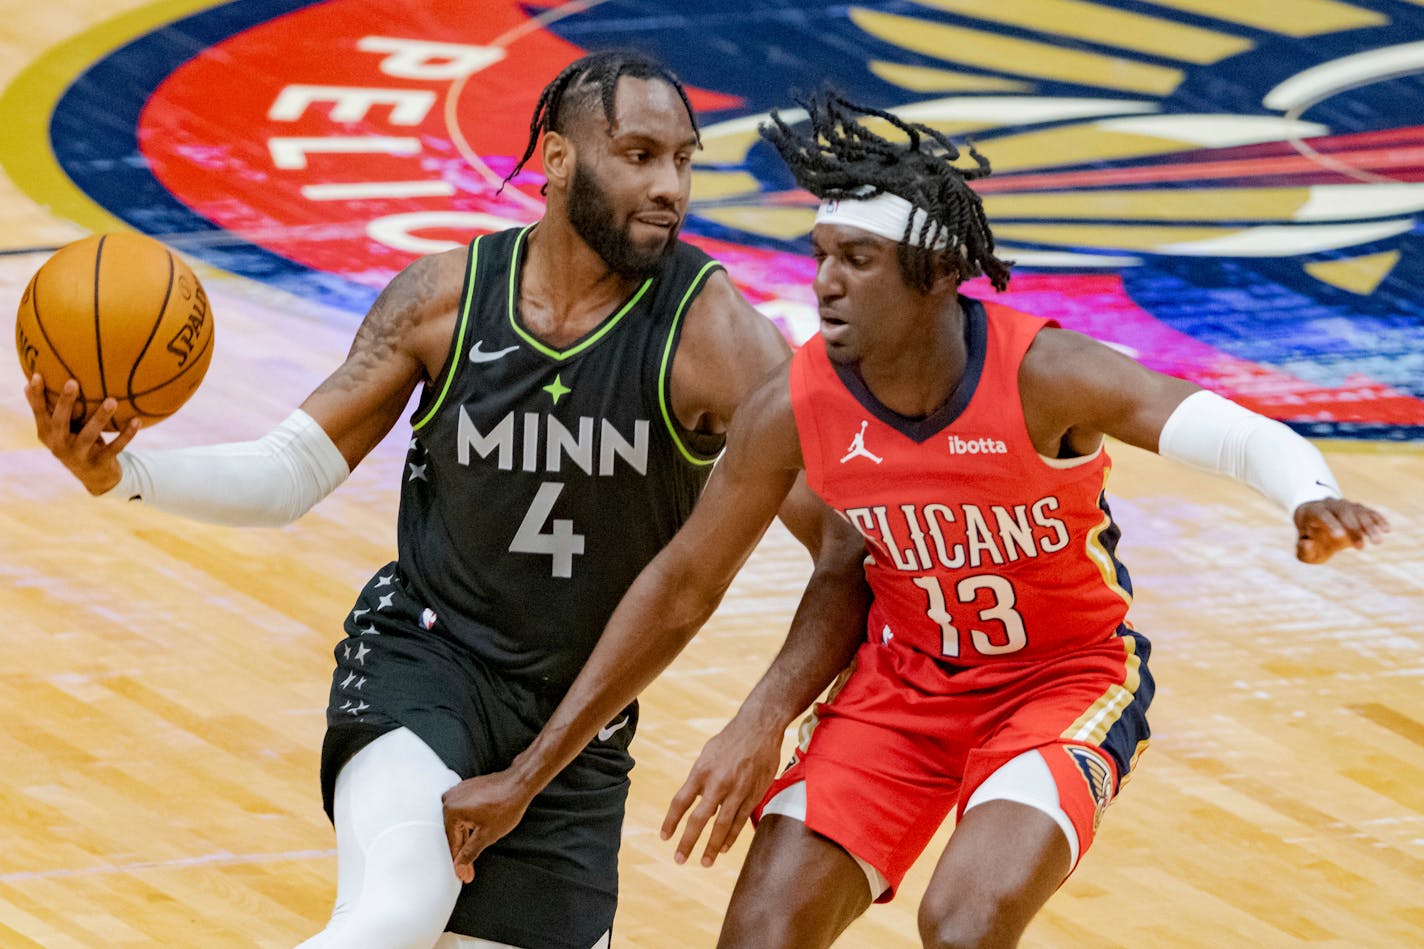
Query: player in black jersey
[(576, 380)]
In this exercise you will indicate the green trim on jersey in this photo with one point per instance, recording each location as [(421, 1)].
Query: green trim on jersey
[(459, 337), (663, 401), (514, 268)]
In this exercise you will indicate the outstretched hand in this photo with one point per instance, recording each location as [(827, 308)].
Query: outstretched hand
[(478, 812), (85, 453), (731, 775), (1327, 526)]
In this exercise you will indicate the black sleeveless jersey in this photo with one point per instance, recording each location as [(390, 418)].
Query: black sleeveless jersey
[(540, 481)]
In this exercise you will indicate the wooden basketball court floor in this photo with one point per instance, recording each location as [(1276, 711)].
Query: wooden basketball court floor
[(162, 687)]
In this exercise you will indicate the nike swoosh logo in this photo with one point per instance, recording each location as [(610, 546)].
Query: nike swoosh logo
[(606, 733), (479, 355)]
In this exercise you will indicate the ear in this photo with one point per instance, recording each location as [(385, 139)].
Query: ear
[(947, 276), (558, 154)]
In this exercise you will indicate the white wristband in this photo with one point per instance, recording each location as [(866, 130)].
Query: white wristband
[(268, 482), (1207, 431)]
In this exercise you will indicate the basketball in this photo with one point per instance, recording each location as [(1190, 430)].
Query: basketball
[(125, 317)]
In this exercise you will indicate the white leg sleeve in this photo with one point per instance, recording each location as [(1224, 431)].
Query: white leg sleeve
[(396, 885)]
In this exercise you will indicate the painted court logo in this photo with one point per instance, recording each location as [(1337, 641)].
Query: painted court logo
[(1236, 198)]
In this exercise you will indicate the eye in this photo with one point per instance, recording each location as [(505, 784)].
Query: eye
[(858, 261), (682, 159), (638, 155)]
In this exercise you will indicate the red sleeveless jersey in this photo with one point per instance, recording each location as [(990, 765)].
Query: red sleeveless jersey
[(983, 553)]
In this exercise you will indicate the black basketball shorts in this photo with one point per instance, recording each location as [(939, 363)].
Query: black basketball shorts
[(553, 881)]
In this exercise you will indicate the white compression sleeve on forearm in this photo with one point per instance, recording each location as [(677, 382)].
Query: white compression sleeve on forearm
[(1207, 431), (268, 482)]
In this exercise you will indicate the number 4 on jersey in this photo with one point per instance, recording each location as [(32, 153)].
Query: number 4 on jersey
[(560, 542)]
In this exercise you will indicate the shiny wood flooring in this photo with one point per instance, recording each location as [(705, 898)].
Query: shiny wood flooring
[(162, 687)]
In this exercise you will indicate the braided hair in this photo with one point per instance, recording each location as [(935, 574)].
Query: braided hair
[(595, 76), (836, 157)]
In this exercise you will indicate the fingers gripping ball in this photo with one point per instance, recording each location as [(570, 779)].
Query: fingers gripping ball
[(122, 315)]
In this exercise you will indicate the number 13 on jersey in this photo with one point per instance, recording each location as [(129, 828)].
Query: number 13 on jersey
[(1009, 636)]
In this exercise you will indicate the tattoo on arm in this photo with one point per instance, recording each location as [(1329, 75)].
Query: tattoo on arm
[(400, 308)]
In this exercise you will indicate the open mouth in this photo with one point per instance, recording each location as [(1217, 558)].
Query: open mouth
[(832, 326)]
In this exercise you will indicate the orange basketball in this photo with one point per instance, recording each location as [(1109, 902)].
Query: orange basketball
[(125, 317)]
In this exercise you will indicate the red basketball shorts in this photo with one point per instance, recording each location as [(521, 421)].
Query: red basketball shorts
[(902, 742)]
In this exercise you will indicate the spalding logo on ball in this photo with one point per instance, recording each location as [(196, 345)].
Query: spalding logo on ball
[(123, 316)]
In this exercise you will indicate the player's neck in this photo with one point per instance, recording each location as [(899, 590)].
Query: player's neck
[(914, 377), (566, 289)]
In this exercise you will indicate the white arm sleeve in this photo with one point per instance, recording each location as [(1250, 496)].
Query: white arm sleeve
[(268, 482), (1207, 431)]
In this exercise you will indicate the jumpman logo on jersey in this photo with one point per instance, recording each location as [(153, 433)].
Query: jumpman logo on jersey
[(857, 447)]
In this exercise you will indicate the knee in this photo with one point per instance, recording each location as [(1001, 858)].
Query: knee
[(750, 924), (987, 921)]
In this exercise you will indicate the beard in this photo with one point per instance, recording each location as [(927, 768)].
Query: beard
[(592, 216)]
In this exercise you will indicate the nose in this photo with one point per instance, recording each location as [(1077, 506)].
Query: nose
[(669, 184), (827, 286)]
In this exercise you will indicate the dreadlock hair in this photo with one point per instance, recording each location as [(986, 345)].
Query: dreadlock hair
[(575, 88), (836, 157)]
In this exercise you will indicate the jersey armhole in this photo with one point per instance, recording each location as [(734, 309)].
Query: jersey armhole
[(679, 435), (457, 345)]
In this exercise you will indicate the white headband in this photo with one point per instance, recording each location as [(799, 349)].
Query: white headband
[(887, 215)]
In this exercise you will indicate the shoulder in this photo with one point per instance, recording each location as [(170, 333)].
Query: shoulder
[(1065, 373), (1058, 357), (434, 278), (725, 351), (416, 310), (764, 427), (723, 319), (1072, 383)]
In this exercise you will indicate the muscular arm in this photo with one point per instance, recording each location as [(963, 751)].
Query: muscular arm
[(738, 764), (1075, 390), (666, 605), (683, 585), (726, 347)]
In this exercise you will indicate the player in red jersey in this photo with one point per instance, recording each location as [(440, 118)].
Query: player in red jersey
[(998, 676)]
